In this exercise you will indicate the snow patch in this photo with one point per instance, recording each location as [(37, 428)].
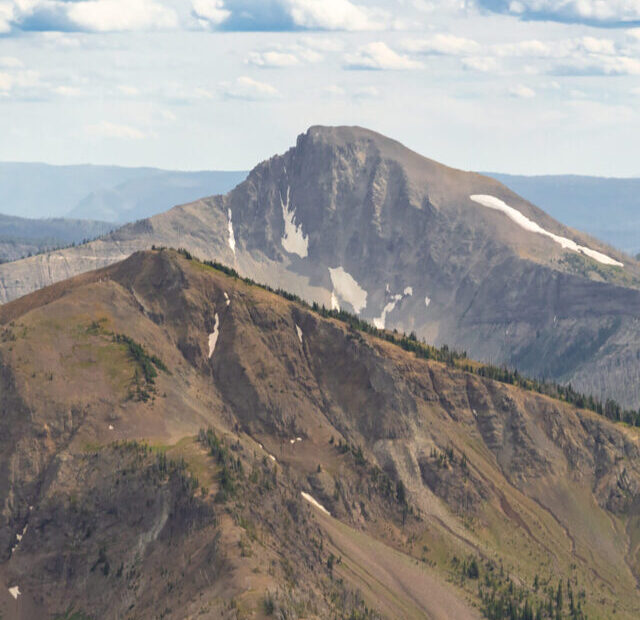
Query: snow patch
[(299, 331), (348, 289), (521, 220), (334, 302), (213, 337), (294, 240), (381, 321), (232, 239), (226, 298), (316, 503), (15, 592), (427, 301)]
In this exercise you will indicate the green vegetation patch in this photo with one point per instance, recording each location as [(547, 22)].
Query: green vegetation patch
[(147, 367)]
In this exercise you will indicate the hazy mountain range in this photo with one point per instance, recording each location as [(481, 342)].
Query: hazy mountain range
[(107, 193), (21, 237), (177, 442)]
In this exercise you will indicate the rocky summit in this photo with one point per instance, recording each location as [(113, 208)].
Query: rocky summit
[(351, 219)]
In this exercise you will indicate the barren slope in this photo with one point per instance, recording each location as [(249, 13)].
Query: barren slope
[(423, 468)]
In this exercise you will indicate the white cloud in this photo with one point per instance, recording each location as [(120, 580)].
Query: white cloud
[(530, 48), (105, 129), (322, 44), (593, 11), (119, 15), (273, 59), (333, 90), (593, 45), (86, 15), (366, 92), (6, 82), (6, 16), (446, 44), (596, 64), (9, 62), (257, 15), (210, 11), (522, 92), (480, 63), (249, 89), (379, 56), (333, 15), (19, 83), (68, 91), (128, 91), (277, 58)]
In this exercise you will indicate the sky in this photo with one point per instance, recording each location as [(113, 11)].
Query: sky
[(518, 86)]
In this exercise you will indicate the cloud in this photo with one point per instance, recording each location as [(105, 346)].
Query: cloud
[(599, 65), (118, 15), (333, 15), (6, 17), (9, 62), (18, 83), (281, 57), (529, 48), (323, 44), (86, 15), (445, 44), (594, 12), (128, 91), (249, 89), (68, 91), (366, 92), (210, 12), (484, 64), (362, 92), (522, 92), (105, 129), (379, 56), (282, 15), (273, 59)]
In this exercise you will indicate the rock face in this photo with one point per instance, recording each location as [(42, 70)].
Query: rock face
[(351, 218), (419, 464)]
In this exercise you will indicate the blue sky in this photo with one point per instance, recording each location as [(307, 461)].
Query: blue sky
[(522, 86)]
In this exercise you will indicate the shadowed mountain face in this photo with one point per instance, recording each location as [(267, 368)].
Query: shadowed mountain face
[(341, 474), (351, 218)]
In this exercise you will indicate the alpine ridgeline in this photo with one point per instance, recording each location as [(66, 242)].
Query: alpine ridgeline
[(177, 443), (350, 218)]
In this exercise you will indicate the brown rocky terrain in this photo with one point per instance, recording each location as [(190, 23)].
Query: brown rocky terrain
[(160, 421), (350, 217)]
